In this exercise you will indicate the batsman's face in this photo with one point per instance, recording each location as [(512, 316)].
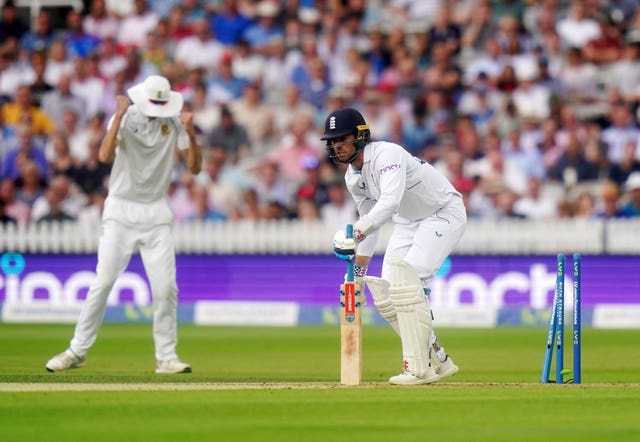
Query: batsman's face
[(344, 147)]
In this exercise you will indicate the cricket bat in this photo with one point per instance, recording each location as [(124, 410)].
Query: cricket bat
[(350, 326)]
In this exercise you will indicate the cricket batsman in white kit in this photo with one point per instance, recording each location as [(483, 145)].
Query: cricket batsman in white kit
[(140, 140), (388, 183)]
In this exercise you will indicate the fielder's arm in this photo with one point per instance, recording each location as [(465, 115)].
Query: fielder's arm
[(192, 156), (107, 151)]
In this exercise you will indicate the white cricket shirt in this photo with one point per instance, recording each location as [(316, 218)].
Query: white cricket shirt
[(141, 172), (395, 185)]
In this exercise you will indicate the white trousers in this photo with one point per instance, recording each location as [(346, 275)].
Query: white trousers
[(426, 244), (117, 243)]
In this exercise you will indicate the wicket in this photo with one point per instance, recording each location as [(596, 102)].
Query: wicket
[(555, 333)]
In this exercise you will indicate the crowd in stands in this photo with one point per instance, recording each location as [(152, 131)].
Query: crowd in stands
[(530, 107)]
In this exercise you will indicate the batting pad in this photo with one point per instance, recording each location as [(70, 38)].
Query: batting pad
[(379, 289), (414, 317)]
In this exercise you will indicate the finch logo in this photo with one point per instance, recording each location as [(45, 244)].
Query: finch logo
[(332, 123), (164, 129), (389, 168)]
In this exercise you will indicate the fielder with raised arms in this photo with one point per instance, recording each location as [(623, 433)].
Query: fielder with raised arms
[(429, 218), (141, 140)]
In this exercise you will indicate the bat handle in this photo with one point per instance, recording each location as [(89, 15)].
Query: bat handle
[(350, 276)]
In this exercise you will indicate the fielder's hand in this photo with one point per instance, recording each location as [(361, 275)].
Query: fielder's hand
[(344, 248)]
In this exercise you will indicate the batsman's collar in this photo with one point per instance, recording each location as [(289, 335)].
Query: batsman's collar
[(154, 97)]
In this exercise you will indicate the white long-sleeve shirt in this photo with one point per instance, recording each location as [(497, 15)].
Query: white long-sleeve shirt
[(394, 185)]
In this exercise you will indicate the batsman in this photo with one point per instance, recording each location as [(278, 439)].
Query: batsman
[(429, 217)]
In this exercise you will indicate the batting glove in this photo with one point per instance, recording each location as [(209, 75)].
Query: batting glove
[(344, 248)]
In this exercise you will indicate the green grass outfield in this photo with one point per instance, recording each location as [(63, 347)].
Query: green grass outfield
[(280, 384)]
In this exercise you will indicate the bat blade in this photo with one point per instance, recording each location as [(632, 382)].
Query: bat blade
[(350, 334)]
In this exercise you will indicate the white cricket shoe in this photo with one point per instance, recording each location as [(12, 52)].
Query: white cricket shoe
[(64, 361), (445, 368), (173, 366), (408, 378)]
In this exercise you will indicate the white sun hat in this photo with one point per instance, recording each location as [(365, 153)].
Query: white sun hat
[(154, 97)]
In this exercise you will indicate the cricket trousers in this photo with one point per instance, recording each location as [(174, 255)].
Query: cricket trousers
[(117, 243), (425, 244)]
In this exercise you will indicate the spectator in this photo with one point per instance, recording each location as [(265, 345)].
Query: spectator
[(531, 98), (135, 27), (520, 163), (607, 47), (584, 205), (27, 149), (307, 210), (111, 61), (98, 22), (11, 25), (258, 118), (181, 197), (573, 166), (534, 204), (229, 24), (202, 209), (610, 198), (177, 28), (155, 54), (230, 135), (54, 211), (23, 112), (58, 64), (61, 201), (116, 86), (7, 136), (623, 74), (298, 144), (383, 120), (265, 28), (206, 116), (340, 209), (92, 175), (631, 207), (444, 30), (313, 187), (62, 98), (479, 30), (30, 183), (90, 214), (201, 49), (276, 75), (619, 173), (580, 79), (621, 131), (87, 87), (223, 194), (4, 217), (272, 192), (41, 37), (75, 137), (39, 86), (312, 78), (223, 86), (247, 64), (62, 162), (13, 207), (416, 131), (14, 72), (577, 29), (78, 42)]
